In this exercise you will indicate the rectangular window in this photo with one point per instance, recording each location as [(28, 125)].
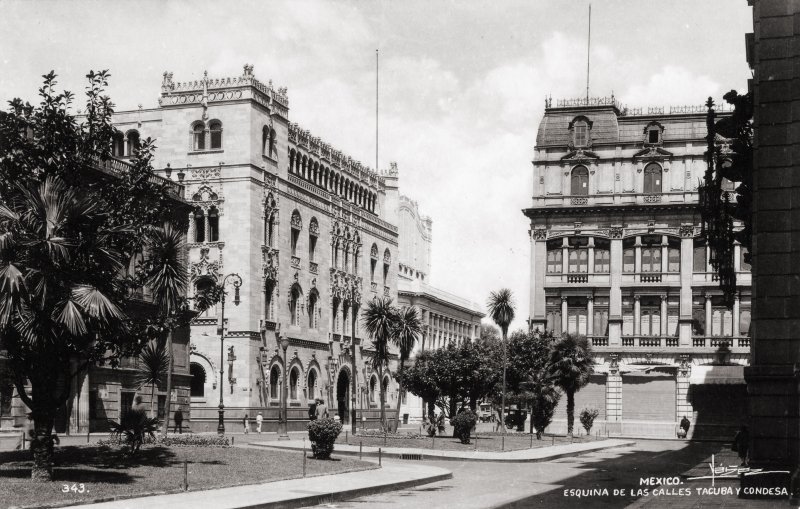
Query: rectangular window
[(744, 321), (554, 265), (600, 322), (162, 405), (126, 403), (673, 259), (652, 136), (580, 135), (698, 317), (554, 320), (629, 260), (672, 321), (578, 261), (602, 261), (699, 262), (743, 265)]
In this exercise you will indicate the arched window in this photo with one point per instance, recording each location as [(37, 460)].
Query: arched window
[(274, 381), (652, 179), (213, 224), (215, 127), (373, 255), (198, 383), (267, 141), (118, 144), (199, 225), (313, 232), (313, 298), (294, 304), (133, 142), (387, 260), (294, 378), (385, 386), (336, 254), (579, 182), (373, 385), (312, 384), (198, 137), (296, 226)]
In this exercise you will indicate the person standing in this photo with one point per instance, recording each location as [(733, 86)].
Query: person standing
[(321, 410), (684, 427), (259, 420), (741, 444), (246, 423), (179, 421), (312, 410)]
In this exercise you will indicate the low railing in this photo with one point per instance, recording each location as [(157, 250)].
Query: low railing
[(579, 200), (650, 278), (577, 278), (598, 340)]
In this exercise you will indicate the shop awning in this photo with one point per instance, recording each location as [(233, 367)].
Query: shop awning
[(717, 375)]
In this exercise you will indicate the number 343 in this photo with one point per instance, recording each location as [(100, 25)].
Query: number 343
[(75, 488)]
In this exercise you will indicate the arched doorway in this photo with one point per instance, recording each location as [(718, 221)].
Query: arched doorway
[(343, 396)]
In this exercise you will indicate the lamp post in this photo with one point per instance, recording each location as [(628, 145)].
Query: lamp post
[(283, 425), (237, 283)]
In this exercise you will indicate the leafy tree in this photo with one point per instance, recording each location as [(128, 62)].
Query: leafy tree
[(69, 226), (571, 365), (501, 309), (544, 399), (588, 415), (407, 328), (379, 318), (490, 333), (154, 362), (420, 379)]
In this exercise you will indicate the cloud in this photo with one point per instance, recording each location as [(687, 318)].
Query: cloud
[(672, 85)]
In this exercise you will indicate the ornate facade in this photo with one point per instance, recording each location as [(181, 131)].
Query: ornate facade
[(617, 255), (303, 225), (446, 317)]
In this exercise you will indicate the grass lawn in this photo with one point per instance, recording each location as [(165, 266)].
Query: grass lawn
[(491, 443), (105, 473)]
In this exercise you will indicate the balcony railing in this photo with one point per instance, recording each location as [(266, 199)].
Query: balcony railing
[(579, 200), (601, 199), (295, 262), (577, 278), (337, 336), (598, 340), (313, 267), (373, 286), (650, 278)]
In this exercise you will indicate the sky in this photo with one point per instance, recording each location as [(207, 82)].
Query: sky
[(461, 86)]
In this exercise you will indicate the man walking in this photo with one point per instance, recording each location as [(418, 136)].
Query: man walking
[(312, 410), (246, 423), (259, 420), (321, 410)]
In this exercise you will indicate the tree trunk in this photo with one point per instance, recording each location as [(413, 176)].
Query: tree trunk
[(383, 398), (570, 411), (152, 398), (42, 447), (503, 396), (399, 395), (431, 408), (168, 404)]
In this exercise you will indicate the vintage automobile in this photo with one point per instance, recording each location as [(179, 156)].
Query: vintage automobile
[(486, 413)]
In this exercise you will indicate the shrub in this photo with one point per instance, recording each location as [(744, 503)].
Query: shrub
[(434, 425), (463, 424), (323, 434), (588, 415), (186, 440), (134, 426)]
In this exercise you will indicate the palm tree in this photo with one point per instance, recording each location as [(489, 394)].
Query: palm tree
[(167, 280), (501, 309), (56, 295), (571, 365), (408, 327), (153, 365), (379, 319)]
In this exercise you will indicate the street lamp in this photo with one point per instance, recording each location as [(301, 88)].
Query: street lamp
[(283, 431), (237, 283)]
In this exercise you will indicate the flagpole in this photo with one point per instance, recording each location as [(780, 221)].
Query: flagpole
[(376, 111), (588, 48)]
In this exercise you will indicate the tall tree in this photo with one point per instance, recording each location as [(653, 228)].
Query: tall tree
[(69, 225), (407, 328), (501, 309), (571, 365), (380, 318), (420, 379)]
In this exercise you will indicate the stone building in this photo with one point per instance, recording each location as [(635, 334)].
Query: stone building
[(446, 317), (299, 233), (773, 52), (617, 255)]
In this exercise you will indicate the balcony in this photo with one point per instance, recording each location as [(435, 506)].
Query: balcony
[(650, 278), (295, 262), (592, 279), (598, 340), (606, 199), (739, 345), (634, 278), (313, 267), (373, 286), (385, 291), (577, 278), (337, 336)]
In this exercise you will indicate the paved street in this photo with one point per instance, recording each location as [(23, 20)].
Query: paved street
[(483, 485)]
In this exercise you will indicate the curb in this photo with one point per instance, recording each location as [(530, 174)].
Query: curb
[(429, 457)]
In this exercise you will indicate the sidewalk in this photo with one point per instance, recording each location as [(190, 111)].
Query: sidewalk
[(291, 493), (519, 456)]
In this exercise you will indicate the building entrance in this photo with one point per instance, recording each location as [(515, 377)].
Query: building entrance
[(343, 397)]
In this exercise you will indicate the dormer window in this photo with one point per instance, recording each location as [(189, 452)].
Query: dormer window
[(653, 133), (581, 134), (653, 136)]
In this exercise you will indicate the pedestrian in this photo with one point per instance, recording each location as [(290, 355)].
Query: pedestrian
[(139, 406), (259, 420), (684, 431), (179, 421), (321, 410), (741, 444), (246, 423), (312, 409)]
